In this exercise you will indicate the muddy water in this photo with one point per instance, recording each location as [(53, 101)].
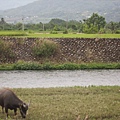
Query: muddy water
[(34, 79)]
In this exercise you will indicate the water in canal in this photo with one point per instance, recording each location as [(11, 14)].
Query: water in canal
[(65, 78)]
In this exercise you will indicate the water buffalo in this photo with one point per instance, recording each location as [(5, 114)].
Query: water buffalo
[(9, 100)]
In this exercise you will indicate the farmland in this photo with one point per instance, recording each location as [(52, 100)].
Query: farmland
[(73, 35), (59, 35)]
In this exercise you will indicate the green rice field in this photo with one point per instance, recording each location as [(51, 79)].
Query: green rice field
[(72, 35), (59, 35)]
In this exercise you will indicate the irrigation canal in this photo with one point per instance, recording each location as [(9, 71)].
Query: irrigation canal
[(46, 79)]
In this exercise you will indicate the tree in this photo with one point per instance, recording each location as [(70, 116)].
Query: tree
[(113, 27), (95, 21), (2, 20), (57, 21), (57, 24), (56, 28), (18, 26), (73, 24), (2, 23)]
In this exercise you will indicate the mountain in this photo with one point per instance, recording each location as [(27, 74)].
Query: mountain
[(8, 4), (45, 10)]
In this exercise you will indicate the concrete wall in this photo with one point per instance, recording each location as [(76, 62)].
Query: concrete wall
[(71, 49)]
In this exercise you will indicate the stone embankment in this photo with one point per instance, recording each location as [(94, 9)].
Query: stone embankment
[(71, 49)]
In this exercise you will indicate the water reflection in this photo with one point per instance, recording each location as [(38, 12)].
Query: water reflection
[(33, 79)]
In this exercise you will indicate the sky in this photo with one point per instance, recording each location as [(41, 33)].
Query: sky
[(8, 4)]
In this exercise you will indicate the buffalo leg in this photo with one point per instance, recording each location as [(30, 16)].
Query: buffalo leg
[(2, 109), (6, 111), (15, 111)]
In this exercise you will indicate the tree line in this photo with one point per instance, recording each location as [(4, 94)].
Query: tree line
[(91, 25)]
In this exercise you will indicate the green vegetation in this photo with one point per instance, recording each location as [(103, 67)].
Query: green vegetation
[(6, 67), (48, 34), (72, 35), (6, 51), (93, 25), (96, 26), (12, 33), (65, 66), (21, 65), (99, 103), (44, 48)]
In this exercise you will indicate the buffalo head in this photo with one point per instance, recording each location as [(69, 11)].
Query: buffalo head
[(23, 109)]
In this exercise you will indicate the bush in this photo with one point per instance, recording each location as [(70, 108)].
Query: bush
[(22, 65), (117, 32), (65, 32), (53, 32), (45, 48), (6, 52)]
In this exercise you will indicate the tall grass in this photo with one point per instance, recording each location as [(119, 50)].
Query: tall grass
[(44, 48), (6, 51), (99, 103)]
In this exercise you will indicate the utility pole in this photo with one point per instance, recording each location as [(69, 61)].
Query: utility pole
[(3, 26), (67, 23), (23, 24), (3, 23), (43, 26)]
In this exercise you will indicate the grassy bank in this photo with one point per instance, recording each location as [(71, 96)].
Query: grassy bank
[(66, 66), (99, 103)]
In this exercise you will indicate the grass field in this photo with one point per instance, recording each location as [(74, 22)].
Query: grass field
[(99, 103), (59, 35), (12, 33), (72, 35)]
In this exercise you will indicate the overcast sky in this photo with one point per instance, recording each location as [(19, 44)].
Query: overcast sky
[(8, 4)]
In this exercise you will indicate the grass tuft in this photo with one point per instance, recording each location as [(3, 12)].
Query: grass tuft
[(6, 52), (44, 48)]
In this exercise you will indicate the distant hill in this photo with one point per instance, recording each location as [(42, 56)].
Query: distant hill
[(8, 4), (44, 10)]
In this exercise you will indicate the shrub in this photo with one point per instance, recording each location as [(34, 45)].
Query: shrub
[(117, 32), (6, 52), (65, 32), (22, 65), (70, 66), (53, 32), (48, 66), (44, 48)]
